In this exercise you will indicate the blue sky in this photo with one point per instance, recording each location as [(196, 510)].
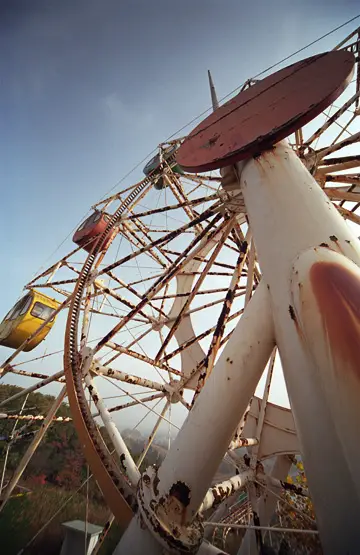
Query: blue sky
[(89, 88)]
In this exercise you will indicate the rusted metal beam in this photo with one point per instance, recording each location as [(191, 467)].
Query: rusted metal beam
[(160, 283), (162, 240), (36, 375), (35, 387), (340, 160), (204, 292), (287, 486), (347, 214), (220, 326), (153, 434), (331, 119), (180, 195), (226, 228), (33, 417), (131, 289), (222, 491), (243, 442), (321, 153), (98, 368), (352, 179), (188, 202), (198, 338), (244, 371), (131, 344), (7, 491), (202, 259), (343, 193), (158, 364), (122, 300), (136, 402), (51, 284)]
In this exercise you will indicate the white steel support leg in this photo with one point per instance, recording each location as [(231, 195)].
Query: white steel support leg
[(187, 471), (267, 502), (139, 541), (119, 444), (254, 537), (289, 214), (209, 427)]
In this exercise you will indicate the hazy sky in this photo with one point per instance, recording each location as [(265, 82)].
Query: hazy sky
[(90, 87)]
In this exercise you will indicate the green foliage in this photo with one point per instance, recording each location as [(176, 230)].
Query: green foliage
[(298, 512), (54, 474), (24, 516), (59, 459)]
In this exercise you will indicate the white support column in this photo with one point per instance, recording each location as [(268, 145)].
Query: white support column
[(170, 500), (139, 541), (208, 429), (267, 504), (290, 214), (219, 492), (119, 444)]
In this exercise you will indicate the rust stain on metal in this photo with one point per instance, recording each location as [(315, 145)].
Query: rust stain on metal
[(122, 461), (181, 492), (155, 484), (292, 487), (337, 291), (292, 313)]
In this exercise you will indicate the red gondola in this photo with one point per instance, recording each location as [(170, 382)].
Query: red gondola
[(91, 229)]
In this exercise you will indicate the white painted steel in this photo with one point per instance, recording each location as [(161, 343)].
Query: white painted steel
[(267, 503), (98, 368), (289, 213), (232, 484), (114, 434), (278, 435), (139, 541), (335, 345), (209, 427)]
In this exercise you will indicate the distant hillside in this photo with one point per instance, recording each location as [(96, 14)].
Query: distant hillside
[(59, 459)]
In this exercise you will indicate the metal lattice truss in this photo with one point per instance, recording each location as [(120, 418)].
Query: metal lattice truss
[(151, 315)]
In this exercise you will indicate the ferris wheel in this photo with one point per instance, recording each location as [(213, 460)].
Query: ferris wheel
[(176, 301)]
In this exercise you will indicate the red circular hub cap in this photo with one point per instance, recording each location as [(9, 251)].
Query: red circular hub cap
[(267, 112)]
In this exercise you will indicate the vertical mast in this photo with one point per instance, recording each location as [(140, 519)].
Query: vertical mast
[(214, 100)]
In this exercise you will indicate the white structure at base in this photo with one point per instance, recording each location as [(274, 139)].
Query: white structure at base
[(80, 537)]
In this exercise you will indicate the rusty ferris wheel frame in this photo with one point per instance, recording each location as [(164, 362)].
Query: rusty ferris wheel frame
[(216, 225)]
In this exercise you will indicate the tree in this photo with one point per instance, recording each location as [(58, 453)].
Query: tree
[(298, 512)]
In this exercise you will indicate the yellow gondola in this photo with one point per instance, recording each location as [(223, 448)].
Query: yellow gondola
[(28, 314)]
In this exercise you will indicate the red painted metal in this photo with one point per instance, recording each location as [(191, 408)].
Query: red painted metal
[(93, 227), (267, 112)]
